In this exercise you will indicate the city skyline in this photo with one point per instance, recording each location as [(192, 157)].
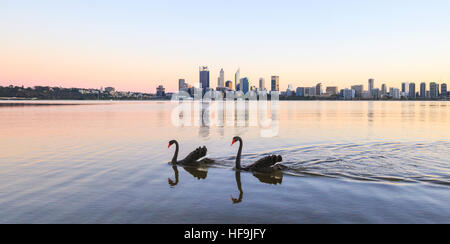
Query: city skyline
[(174, 86), (318, 92), (408, 89), (139, 46), (356, 91)]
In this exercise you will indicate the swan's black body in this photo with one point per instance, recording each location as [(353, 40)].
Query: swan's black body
[(192, 158), (266, 164)]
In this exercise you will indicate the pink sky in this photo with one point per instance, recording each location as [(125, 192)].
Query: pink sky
[(138, 46)]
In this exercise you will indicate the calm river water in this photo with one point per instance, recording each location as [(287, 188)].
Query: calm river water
[(107, 162)]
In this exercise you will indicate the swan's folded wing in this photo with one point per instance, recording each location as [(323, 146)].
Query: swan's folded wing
[(195, 155), (265, 162)]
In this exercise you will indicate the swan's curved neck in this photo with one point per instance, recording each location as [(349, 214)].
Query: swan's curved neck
[(238, 157), (175, 155)]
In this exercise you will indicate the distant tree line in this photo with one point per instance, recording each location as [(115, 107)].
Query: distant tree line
[(58, 93), (47, 93)]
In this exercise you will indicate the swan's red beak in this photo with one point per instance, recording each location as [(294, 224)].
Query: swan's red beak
[(233, 142), (169, 145)]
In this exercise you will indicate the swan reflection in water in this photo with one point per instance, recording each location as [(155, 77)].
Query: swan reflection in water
[(272, 178), (199, 172)]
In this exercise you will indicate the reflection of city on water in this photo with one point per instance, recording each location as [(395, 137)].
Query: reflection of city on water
[(219, 115)]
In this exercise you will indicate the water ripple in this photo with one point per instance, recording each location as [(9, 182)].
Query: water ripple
[(388, 162)]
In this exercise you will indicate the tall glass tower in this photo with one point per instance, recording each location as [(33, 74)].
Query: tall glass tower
[(371, 84), (262, 84), (204, 78), (412, 90), (181, 84), (236, 80), (444, 91), (275, 81), (423, 90), (434, 90), (245, 84), (221, 81)]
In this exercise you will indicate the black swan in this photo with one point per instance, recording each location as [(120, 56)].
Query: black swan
[(192, 158), (266, 164)]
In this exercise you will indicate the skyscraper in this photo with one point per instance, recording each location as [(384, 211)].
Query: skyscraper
[(182, 84), (412, 90), (434, 90), (371, 84), (204, 78), (312, 91), (394, 93), (300, 92), (221, 79), (262, 84), (375, 93), (423, 90), (275, 81), (319, 89), (405, 89), (359, 89), (236, 80), (444, 92), (245, 84), (383, 89), (348, 94)]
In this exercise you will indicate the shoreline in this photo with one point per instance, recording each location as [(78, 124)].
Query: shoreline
[(18, 99)]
